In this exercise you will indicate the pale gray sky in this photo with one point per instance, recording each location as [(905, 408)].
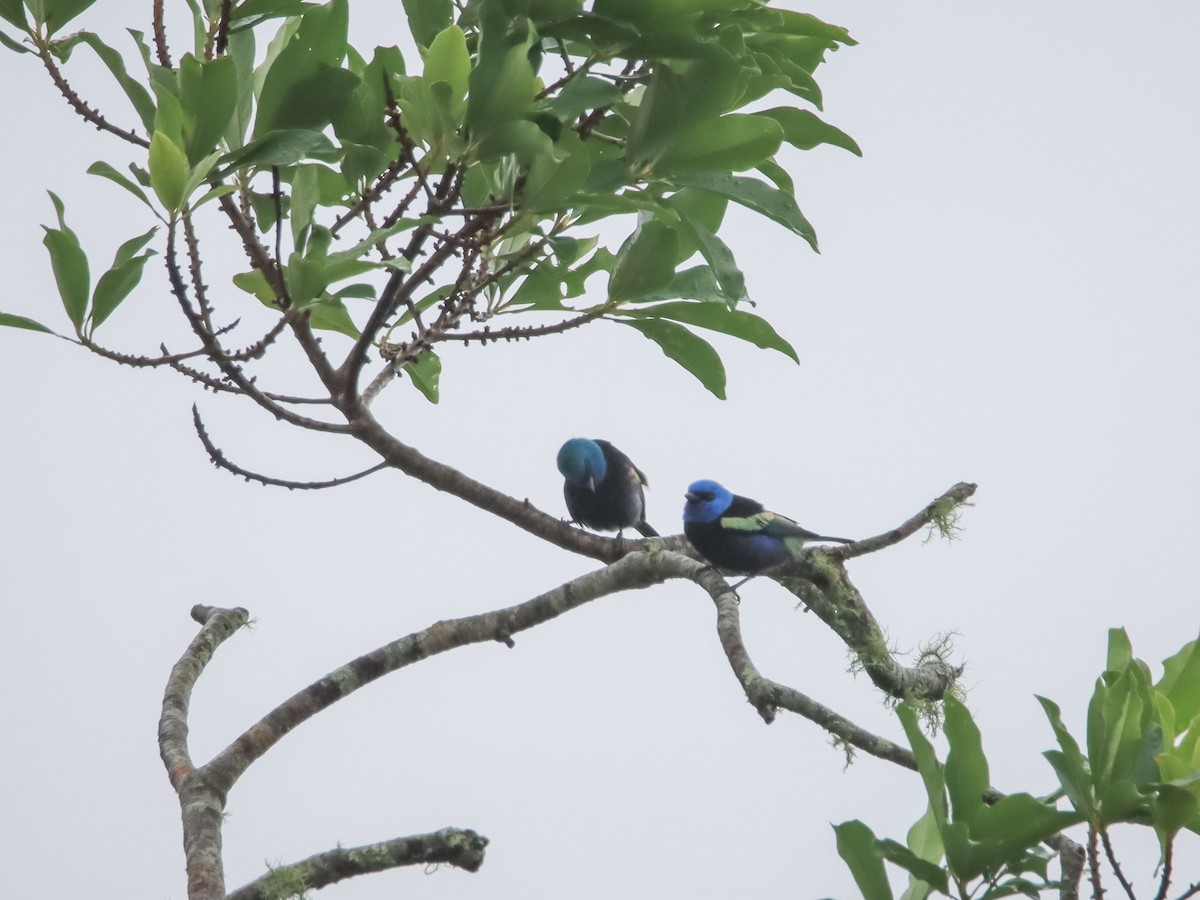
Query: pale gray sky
[(1006, 294)]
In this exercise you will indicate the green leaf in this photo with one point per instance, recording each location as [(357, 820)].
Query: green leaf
[(104, 170), (927, 765), (69, 263), (645, 262), (1012, 825), (11, 44), (731, 143), (856, 846), (722, 262), (447, 60), (57, 13), (521, 138), (428, 18), (13, 12), (1173, 807), (305, 84), (552, 183), (1068, 763), (804, 130), (426, 373), (11, 321), (255, 283), (1181, 681), (280, 148), (718, 317), (1120, 650), (921, 869), (331, 315), (305, 194), (580, 95), (925, 841), (695, 354), (208, 95), (502, 84), (168, 171), (268, 9), (115, 285), (753, 194), (966, 768)]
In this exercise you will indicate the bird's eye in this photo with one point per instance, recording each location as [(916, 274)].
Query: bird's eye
[(707, 496)]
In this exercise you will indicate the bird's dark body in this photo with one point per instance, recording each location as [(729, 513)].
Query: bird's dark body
[(613, 502), (742, 536)]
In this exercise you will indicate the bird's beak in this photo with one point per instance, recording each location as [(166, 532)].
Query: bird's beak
[(692, 496), (591, 484)]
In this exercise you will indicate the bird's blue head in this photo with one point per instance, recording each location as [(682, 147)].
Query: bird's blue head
[(582, 462), (706, 501)]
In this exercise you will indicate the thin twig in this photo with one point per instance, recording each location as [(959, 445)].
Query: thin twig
[(160, 37), (222, 462), (80, 106), (1116, 866), (1094, 865)]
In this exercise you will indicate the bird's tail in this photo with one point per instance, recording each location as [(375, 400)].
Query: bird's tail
[(646, 531), (825, 537)]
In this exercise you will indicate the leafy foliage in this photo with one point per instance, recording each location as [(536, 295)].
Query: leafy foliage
[(1141, 766), (515, 136)]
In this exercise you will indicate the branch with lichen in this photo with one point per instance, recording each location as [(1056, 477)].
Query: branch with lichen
[(458, 847)]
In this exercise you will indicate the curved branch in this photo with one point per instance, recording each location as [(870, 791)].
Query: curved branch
[(218, 626), (941, 514), (458, 847), (637, 570), (222, 462), (79, 105), (768, 696), (201, 805), (1071, 857), (521, 513)]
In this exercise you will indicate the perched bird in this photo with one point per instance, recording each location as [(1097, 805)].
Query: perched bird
[(603, 488), (736, 533)]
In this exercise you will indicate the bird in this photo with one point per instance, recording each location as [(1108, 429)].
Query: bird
[(738, 534), (602, 487)]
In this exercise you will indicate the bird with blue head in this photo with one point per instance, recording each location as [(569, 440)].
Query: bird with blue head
[(738, 534), (602, 487)]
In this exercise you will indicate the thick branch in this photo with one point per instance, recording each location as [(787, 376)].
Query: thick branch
[(218, 625), (200, 803), (637, 570), (768, 696), (1071, 857), (521, 513), (457, 847)]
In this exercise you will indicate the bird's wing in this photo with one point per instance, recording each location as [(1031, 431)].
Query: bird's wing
[(748, 516), (745, 515), (768, 523), (615, 456)]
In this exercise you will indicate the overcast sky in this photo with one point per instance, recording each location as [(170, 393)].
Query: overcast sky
[(1006, 295)]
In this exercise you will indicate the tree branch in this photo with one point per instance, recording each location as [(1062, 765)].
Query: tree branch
[(201, 805), (941, 514), (458, 847), (222, 462), (637, 570), (1106, 841), (1071, 857), (768, 696), (79, 105)]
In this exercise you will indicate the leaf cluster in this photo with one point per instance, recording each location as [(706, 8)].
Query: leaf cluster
[(518, 134)]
